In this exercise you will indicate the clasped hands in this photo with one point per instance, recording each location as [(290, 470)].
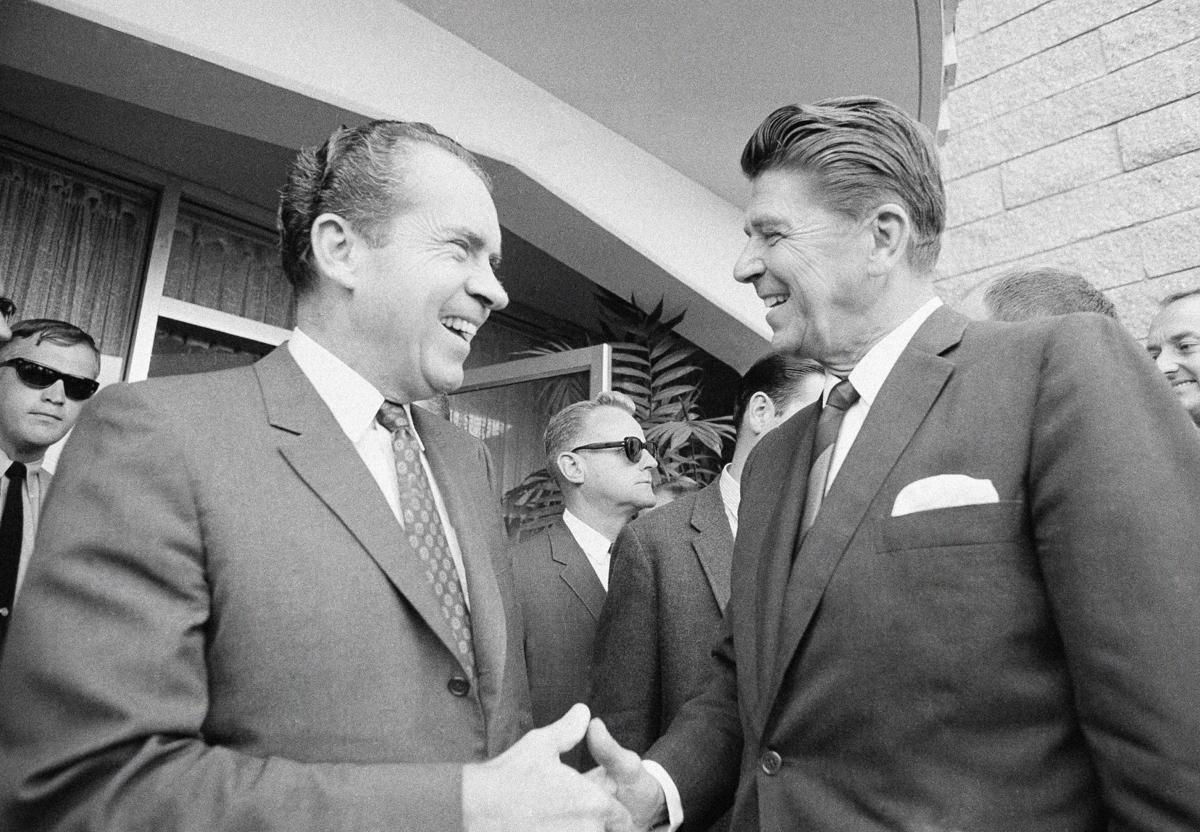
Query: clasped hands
[(529, 788)]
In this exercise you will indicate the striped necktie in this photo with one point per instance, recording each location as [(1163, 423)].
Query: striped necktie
[(841, 398)]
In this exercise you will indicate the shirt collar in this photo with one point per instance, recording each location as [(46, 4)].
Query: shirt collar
[(872, 369), (589, 540), (352, 399), (31, 468), (731, 490)]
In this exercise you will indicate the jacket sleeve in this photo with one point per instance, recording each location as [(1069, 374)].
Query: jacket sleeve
[(626, 668), (104, 686), (1115, 486)]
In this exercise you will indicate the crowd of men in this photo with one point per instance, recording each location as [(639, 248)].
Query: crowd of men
[(948, 581)]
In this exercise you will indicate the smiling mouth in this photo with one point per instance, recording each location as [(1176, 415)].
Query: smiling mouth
[(461, 327)]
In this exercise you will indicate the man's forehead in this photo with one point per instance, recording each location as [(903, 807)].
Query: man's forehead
[(76, 359), (1180, 318), (609, 419)]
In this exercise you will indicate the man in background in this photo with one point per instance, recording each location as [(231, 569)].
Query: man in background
[(596, 452), (671, 573), (1034, 293), (1174, 343), (8, 311), (266, 598), (47, 371)]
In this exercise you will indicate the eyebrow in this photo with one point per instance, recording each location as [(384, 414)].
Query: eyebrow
[(763, 222)]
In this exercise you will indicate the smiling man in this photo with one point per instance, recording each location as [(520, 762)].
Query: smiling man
[(596, 452), (953, 606), (47, 371), (266, 598), (1174, 343)]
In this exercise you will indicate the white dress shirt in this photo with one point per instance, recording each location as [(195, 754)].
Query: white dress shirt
[(355, 402), (34, 490), (596, 547), (867, 377), (731, 497)]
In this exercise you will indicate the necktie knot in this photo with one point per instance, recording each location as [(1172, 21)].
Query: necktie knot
[(842, 396), (393, 416)]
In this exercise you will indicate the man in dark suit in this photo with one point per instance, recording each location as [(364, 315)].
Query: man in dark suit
[(266, 598), (965, 587), (595, 450), (670, 573)]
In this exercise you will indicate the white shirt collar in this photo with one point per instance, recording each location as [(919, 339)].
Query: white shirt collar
[(872, 370), (589, 540), (352, 399), (731, 496)]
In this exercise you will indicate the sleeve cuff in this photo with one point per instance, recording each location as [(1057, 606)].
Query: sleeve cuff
[(670, 793)]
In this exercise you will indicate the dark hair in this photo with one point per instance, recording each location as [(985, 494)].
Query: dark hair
[(778, 376), (1178, 296), (862, 152), (56, 332), (355, 174), (1042, 293), (564, 427)]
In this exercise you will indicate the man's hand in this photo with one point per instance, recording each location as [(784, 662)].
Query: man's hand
[(623, 770), (528, 787)]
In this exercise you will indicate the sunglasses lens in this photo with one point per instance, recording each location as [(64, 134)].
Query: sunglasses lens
[(634, 448), (35, 375), (79, 388)]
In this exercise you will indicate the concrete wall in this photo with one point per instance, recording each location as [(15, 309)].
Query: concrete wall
[(1074, 141)]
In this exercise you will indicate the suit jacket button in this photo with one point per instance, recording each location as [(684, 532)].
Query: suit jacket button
[(458, 686), (770, 762)]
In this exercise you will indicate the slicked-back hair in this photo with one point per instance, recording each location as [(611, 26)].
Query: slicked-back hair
[(357, 175), (1178, 296), (54, 331), (779, 376), (860, 153), (566, 426), (1043, 293)]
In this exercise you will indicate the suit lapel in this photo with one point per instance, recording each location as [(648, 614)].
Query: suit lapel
[(314, 445), (779, 515), (714, 541), (457, 468), (577, 570), (903, 403)]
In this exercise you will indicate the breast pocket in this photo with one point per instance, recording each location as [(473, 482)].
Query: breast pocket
[(954, 526)]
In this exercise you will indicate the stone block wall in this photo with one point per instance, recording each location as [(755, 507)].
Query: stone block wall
[(1074, 141)]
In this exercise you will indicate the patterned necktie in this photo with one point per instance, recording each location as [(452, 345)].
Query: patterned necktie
[(423, 528), (12, 523), (841, 398)]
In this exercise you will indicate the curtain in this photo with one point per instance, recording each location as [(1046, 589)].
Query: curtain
[(73, 247), (219, 263)]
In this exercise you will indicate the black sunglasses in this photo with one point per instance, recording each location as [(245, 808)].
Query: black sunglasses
[(631, 445), (7, 308), (39, 377)]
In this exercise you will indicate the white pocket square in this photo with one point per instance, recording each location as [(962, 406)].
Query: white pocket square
[(943, 491)]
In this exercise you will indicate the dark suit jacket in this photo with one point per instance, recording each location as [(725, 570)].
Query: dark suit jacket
[(223, 627), (560, 599), (668, 588), (1024, 664)]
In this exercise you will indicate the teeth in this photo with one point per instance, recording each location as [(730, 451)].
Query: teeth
[(462, 326), (774, 300)]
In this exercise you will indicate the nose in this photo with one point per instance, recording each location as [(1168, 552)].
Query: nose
[(1166, 361), (486, 288), (55, 393), (648, 460), (749, 264)]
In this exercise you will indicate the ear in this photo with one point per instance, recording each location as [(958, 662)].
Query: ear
[(334, 246), (571, 467), (760, 410), (891, 229)]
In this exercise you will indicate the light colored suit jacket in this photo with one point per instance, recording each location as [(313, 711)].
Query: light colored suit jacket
[(668, 589), (1027, 663), (223, 627), (560, 599)]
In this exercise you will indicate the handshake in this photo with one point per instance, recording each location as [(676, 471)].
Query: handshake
[(529, 788)]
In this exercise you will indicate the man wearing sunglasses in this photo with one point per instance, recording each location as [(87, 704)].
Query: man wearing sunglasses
[(597, 453), (47, 371)]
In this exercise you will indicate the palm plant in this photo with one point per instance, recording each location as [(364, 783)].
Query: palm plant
[(656, 368)]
